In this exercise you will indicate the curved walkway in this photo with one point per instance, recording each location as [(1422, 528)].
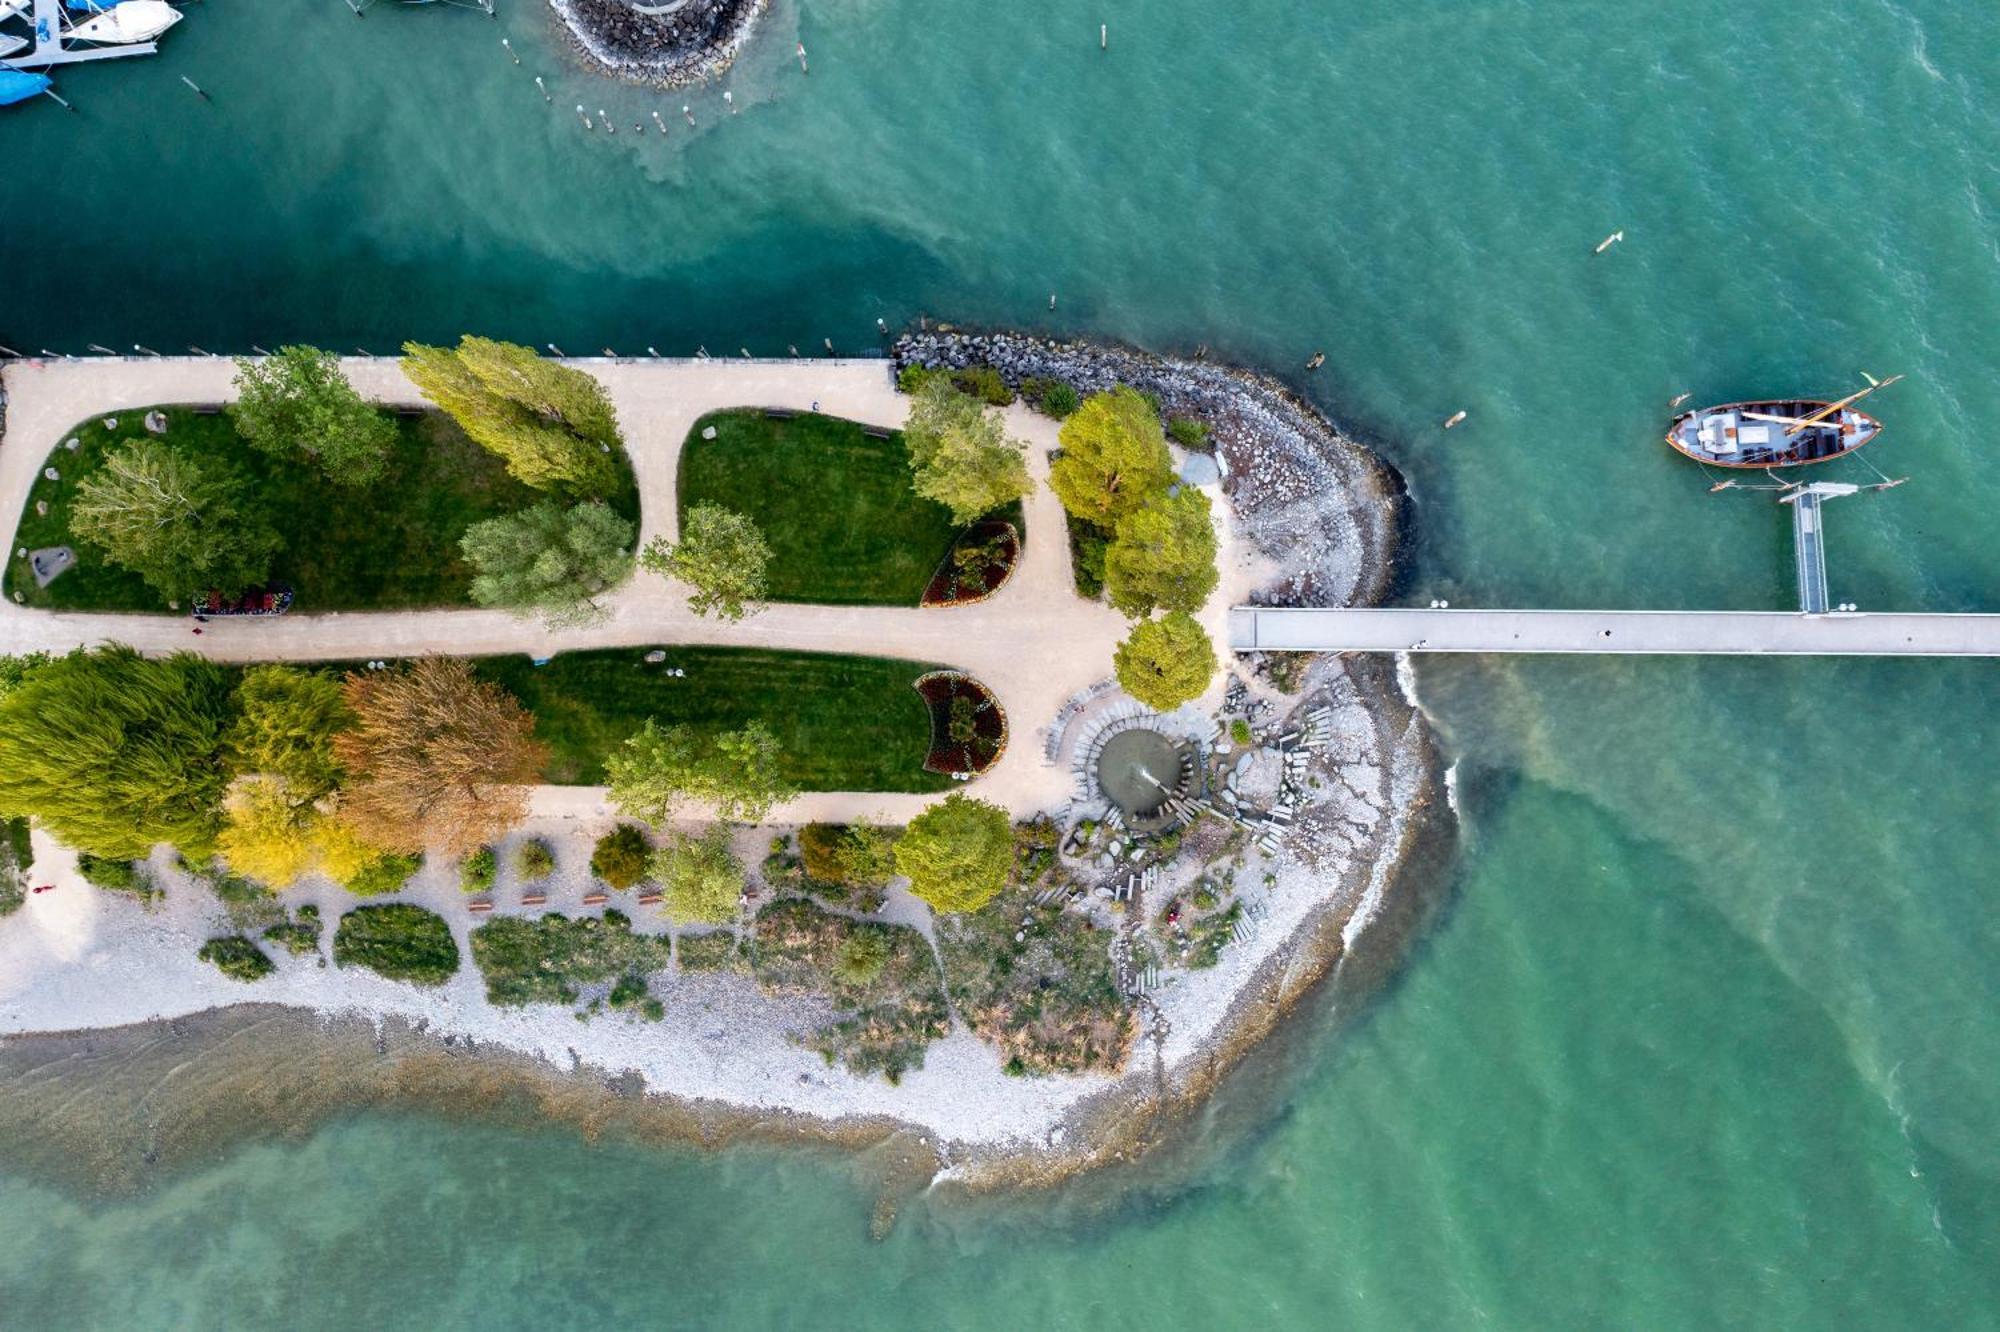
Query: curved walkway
[(1034, 643)]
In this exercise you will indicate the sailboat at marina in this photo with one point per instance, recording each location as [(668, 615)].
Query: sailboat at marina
[(10, 43), (1777, 432), (126, 22)]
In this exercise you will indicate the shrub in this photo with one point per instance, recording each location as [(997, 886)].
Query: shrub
[(1051, 397), (1239, 732), (861, 958), (911, 378), (700, 876), (856, 855), (297, 937), (547, 960), (1188, 432), (718, 950), (1087, 546), (534, 859), (384, 874), (478, 870), (400, 941), (237, 958), (117, 876), (621, 855), (985, 383)]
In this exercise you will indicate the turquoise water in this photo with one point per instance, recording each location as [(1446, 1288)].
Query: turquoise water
[(1707, 1031)]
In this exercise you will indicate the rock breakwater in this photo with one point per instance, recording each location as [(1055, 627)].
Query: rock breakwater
[(666, 43)]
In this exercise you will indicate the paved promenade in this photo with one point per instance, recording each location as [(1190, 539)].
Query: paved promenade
[(1742, 633), (1034, 643)]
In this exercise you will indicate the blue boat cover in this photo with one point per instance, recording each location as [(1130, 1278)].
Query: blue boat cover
[(89, 6), (17, 85)]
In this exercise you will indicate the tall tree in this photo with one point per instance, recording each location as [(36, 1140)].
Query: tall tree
[(554, 426), (700, 877), (288, 718), (182, 523), (1163, 557), (115, 752), (659, 767), (1114, 458), (438, 759), (957, 853), (549, 561), (959, 455), (1166, 662), (721, 556), (297, 403)]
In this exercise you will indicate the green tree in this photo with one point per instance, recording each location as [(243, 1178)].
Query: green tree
[(1163, 557), (1166, 662), (658, 767), (115, 752), (959, 456), (298, 404), (182, 523), (549, 561), (285, 728), (700, 877), (957, 853), (554, 426), (621, 855), (1114, 458), (721, 555)]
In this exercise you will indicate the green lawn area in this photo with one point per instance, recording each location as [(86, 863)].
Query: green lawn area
[(845, 528), (845, 723), (390, 545)]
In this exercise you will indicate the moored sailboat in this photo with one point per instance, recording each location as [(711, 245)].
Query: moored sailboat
[(126, 22), (1776, 432)]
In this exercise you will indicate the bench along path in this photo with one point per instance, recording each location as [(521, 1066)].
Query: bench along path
[(1034, 643)]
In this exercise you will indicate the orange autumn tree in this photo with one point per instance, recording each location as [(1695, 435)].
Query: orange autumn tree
[(438, 760)]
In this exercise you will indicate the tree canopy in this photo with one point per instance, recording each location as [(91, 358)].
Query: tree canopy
[(1114, 458), (184, 524), (437, 760), (957, 853), (1166, 662), (554, 426), (297, 403), (115, 752), (659, 767), (959, 455), (699, 876), (285, 728), (549, 561), (1163, 557), (721, 555)]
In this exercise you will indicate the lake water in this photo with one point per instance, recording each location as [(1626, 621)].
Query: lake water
[(1706, 1033)]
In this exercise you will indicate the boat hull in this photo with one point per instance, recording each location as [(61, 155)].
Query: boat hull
[(125, 23), (1735, 435)]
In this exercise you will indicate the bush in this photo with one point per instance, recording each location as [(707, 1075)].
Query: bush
[(384, 874), (912, 378), (1050, 397), (297, 937), (719, 950), (700, 876), (117, 876), (400, 941), (845, 855), (478, 870), (534, 859), (1087, 546), (1239, 732), (1188, 432), (546, 960), (237, 958), (861, 959), (621, 855), (984, 383)]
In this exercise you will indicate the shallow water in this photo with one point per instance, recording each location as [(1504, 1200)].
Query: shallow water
[(1706, 1035)]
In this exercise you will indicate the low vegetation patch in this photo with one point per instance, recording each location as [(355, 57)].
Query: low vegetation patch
[(968, 726), (397, 940), (979, 564), (534, 860), (718, 950), (383, 875), (16, 855), (548, 959), (477, 871), (237, 958), (118, 876), (881, 979), (298, 936), (850, 863)]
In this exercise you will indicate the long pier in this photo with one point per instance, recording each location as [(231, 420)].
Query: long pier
[(1725, 633)]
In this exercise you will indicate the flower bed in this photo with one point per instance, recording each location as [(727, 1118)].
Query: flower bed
[(978, 564), (968, 725)]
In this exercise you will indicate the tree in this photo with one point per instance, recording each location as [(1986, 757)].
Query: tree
[(1163, 557), (721, 555), (1114, 458), (115, 752), (437, 759), (554, 426), (298, 404), (658, 767), (1166, 662), (267, 836), (957, 853), (182, 523), (285, 728), (958, 454), (550, 561), (700, 877), (621, 855)]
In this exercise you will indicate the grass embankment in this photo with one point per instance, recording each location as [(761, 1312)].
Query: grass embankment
[(834, 503), (843, 723), (389, 545)]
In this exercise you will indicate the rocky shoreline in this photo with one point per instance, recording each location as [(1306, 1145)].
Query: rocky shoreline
[(664, 43)]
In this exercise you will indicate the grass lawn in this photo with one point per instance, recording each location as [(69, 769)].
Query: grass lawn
[(845, 528), (390, 545), (844, 723)]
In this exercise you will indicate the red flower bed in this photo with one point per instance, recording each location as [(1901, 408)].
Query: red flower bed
[(978, 564), (968, 725)]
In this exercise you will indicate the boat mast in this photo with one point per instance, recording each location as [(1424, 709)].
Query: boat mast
[(1833, 407)]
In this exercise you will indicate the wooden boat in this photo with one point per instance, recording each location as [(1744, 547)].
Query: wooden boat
[(1776, 432)]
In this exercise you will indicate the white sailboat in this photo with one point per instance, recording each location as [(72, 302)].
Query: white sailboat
[(128, 21), (10, 43)]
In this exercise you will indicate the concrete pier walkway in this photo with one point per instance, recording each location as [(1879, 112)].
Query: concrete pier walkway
[(1739, 633)]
